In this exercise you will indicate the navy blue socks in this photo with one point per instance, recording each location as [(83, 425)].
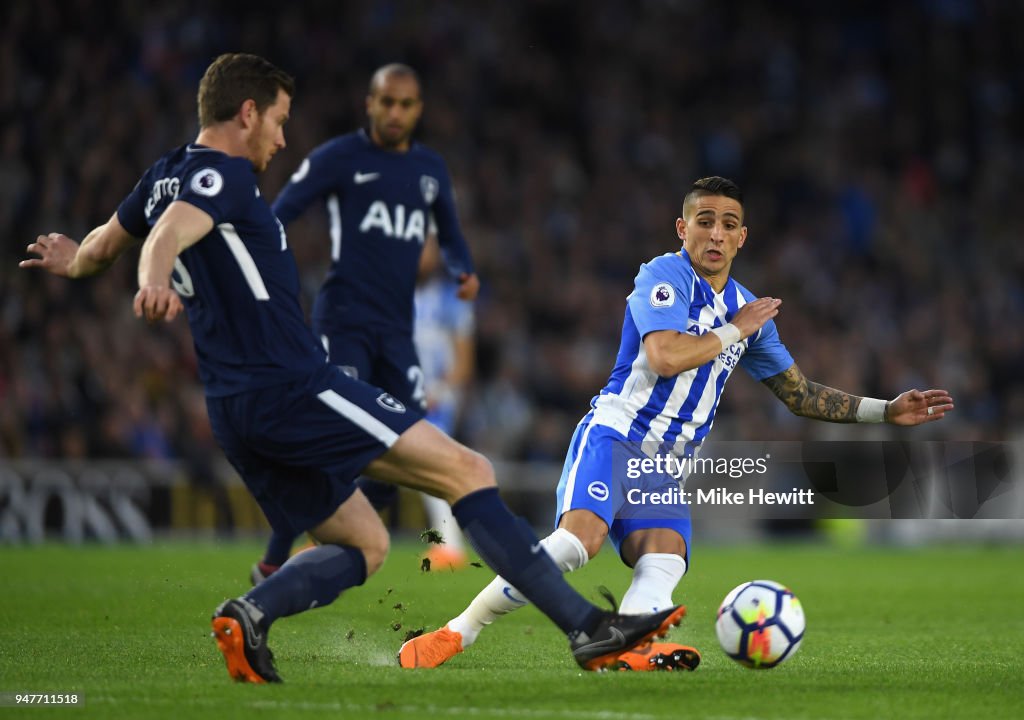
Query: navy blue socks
[(312, 578)]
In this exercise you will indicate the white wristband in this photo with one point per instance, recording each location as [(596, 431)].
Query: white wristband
[(728, 334), (871, 410)]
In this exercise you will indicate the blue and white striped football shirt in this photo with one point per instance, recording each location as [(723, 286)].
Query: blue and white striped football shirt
[(675, 414)]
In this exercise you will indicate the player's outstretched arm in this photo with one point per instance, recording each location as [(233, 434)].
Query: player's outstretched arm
[(820, 402), (812, 400), (179, 227), (62, 256)]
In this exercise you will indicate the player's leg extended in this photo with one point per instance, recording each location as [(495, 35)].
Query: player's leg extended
[(497, 599), (426, 459), (583, 517), (577, 539)]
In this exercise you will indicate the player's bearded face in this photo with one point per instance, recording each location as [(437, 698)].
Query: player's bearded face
[(268, 132), (713, 232)]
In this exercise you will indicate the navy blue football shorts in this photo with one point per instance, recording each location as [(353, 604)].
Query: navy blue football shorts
[(299, 446), (384, 358)]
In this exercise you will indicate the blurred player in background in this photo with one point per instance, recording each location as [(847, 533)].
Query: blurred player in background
[(688, 325), (444, 342), (380, 190), (295, 427)]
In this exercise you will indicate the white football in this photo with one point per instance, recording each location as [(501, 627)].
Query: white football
[(760, 624)]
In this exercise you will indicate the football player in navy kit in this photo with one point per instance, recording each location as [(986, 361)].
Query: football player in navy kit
[(296, 428), (380, 190)]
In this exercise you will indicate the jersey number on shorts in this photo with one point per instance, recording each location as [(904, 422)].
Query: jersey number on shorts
[(415, 376)]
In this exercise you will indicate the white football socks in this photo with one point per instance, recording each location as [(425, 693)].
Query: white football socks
[(439, 515), (655, 576), (499, 598)]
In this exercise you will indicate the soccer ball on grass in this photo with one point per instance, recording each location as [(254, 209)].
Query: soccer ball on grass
[(760, 624)]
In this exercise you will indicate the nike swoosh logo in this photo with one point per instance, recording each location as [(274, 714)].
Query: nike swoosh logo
[(361, 178), (615, 642), (536, 548), (251, 632), (508, 593)]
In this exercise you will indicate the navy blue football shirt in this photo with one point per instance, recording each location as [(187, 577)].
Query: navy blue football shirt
[(379, 206), (239, 284)]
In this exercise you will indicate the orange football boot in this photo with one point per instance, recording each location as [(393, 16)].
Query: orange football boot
[(660, 656), (243, 645), (430, 650)]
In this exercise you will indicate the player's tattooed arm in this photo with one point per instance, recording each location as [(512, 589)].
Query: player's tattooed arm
[(812, 400)]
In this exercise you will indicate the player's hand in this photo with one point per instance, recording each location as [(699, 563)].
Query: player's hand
[(915, 407), (752, 316), (55, 251), (469, 286), (157, 303)]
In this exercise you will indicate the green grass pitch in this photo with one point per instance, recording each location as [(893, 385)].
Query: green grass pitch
[(922, 633)]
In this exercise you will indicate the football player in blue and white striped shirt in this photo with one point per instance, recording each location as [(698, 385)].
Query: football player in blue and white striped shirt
[(687, 326)]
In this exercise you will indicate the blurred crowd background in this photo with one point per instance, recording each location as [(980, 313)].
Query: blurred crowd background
[(879, 146)]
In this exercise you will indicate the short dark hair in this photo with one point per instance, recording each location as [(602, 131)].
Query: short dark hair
[(234, 78), (713, 185), (400, 69)]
